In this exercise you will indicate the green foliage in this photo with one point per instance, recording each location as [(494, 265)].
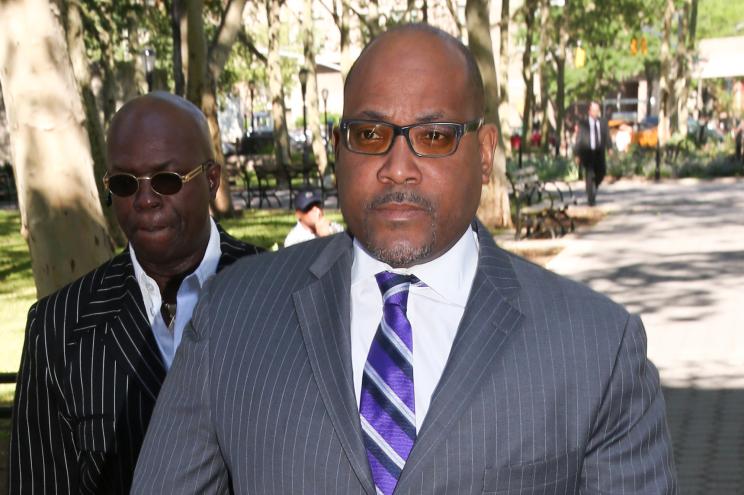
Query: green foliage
[(605, 30), (17, 290), (719, 18)]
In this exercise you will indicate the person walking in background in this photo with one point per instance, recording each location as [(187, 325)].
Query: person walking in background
[(311, 221), (97, 351), (592, 142)]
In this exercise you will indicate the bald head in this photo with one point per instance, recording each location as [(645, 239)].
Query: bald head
[(160, 133), (166, 112), (402, 39)]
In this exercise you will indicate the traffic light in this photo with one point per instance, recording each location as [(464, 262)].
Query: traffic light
[(633, 46), (579, 57), (644, 45)]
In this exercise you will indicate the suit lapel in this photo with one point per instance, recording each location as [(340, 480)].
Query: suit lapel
[(323, 309), (127, 331), (488, 320)]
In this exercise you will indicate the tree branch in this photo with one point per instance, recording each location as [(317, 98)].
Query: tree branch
[(230, 25)]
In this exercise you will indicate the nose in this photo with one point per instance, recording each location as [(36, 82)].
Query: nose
[(146, 197), (400, 164)]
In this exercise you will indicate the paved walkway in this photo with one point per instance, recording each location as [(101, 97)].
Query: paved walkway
[(674, 252)]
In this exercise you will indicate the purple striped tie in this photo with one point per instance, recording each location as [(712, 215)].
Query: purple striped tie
[(387, 406)]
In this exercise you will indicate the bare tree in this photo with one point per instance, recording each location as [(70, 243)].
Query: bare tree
[(494, 203), (61, 215)]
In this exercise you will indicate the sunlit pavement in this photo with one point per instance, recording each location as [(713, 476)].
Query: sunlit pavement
[(674, 252)]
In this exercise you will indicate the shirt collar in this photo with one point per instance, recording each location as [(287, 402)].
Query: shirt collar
[(450, 275), (206, 268)]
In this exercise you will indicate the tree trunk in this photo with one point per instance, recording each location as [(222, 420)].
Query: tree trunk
[(685, 49), (560, 74), (665, 89), (79, 59), (494, 203), (204, 71), (219, 51), (342, 21), (503, 74), (544, 68), (527, 71), (61, 216), (313, 107), (452, 8), (276, 87), (176, 14)]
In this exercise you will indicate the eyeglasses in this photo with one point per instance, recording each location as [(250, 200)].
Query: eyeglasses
[(164, 183), (429, 140)]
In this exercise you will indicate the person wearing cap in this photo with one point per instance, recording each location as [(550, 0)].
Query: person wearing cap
[(97, 351), (311, 222)]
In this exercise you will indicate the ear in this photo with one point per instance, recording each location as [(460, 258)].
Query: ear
[(336, 141), (214, 173), (488, 137)]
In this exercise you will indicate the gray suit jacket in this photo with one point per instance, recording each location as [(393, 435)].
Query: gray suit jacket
[(547, 389)]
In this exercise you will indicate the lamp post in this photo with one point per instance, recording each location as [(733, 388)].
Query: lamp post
[(303, 84), (324, 95), (149, 59), (252, 89)]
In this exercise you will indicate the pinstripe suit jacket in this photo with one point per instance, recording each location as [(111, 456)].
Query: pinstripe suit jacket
[(90, 373), (547, 389)]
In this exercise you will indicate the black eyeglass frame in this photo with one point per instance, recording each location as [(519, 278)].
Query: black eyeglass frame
[(461, 128), (184, 178)]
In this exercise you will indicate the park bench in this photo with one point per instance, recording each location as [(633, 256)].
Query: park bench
[(7, 378), (7, 187), (541, 207)]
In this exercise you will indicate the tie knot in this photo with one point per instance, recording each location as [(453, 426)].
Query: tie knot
[(394, 287)]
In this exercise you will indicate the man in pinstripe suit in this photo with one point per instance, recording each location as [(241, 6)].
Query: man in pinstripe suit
[(409, 355), (97, 350)]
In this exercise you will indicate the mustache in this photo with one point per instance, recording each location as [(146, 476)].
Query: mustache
[(401, 197)]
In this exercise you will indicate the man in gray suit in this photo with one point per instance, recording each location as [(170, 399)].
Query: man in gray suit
[(409, 355)]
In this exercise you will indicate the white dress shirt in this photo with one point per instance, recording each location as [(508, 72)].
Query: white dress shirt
[(594, 139), (186, 298), (434, 311)]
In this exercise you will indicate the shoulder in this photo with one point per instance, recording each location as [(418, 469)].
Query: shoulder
[(273, 269), (541, 282), (267, 280), (60, 310), (563, 312)]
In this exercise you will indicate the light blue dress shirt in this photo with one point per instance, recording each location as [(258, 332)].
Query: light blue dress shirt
[(168, 339)]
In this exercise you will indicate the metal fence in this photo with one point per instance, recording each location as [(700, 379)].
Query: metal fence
[(5, 411)]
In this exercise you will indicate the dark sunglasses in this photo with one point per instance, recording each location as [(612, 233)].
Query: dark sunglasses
[(429, 140), (164, 183)]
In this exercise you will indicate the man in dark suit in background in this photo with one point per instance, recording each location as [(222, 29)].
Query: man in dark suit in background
[(593, 141), (410, 354), (97, 350)]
